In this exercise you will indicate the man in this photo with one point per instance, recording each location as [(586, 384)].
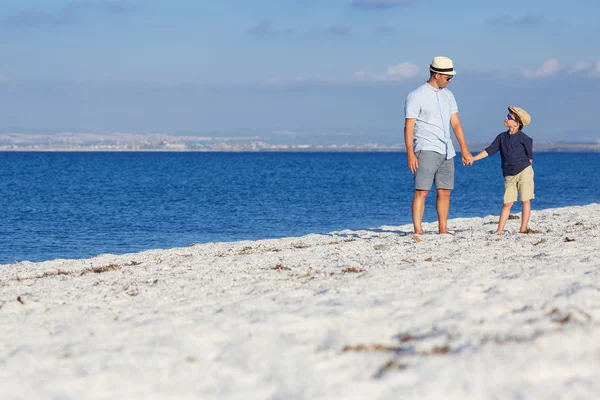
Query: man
[(429, 111)]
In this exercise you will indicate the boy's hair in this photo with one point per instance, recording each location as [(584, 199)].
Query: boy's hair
[(519, 121)]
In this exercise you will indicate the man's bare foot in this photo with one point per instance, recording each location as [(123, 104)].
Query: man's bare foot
[(529, 230), (446, 232), (498, 233)]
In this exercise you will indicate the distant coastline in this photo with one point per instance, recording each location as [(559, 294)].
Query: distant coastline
[(540, 148), (158, 142)]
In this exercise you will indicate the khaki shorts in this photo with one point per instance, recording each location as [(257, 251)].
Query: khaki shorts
[(521, 184)]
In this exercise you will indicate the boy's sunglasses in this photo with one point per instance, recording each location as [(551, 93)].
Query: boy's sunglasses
[(510, 117)]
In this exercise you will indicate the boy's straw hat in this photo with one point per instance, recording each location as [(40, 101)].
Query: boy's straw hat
[(521, 114), (442, 65)]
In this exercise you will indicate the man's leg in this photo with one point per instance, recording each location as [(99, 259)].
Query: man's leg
[(418, 209), (443, 206), (504, 214), (444, 182), (525, 216), (428, 165)]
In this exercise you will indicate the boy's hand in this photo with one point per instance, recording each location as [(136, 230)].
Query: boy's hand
[(413, 162)]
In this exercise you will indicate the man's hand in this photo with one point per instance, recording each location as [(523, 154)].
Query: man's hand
[(467, 158), (413, 162)]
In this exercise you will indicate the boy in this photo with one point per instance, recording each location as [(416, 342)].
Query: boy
[(516, 151)]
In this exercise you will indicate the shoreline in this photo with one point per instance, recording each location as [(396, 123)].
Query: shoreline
[(351, 314)]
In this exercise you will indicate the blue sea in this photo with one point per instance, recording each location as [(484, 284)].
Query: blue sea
[(78, 205)]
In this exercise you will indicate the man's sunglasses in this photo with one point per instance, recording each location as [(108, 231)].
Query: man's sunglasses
[(448, 77)]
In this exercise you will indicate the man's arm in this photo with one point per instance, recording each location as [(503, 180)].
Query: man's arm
[(412, 108), (467, 158), (409, 134)]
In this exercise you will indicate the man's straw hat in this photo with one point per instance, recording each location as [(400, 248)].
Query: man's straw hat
[(521, 114), (442, 65)]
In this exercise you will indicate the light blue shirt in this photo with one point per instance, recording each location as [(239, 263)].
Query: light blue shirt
[(432, 108)]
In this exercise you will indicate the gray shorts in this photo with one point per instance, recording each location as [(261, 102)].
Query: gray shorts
[(432, 166)]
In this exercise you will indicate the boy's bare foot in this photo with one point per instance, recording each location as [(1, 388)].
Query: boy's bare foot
[(498, 233), (419, 231), (446, 232)]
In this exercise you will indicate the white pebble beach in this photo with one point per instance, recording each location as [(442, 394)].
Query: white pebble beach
[(368, 314)]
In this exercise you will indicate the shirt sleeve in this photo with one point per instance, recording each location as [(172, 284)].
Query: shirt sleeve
[(528, 143), (412, 106), (453, 105), (494, 147)]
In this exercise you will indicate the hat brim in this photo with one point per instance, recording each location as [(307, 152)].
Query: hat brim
[(453, 72), (522, 115)]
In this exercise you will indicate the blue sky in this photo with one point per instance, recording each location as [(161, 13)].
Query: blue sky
[(307, 70)]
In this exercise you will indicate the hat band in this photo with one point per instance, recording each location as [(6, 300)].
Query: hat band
[(441, 69)]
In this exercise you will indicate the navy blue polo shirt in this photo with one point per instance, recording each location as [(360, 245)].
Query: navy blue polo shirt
[(516, 150)]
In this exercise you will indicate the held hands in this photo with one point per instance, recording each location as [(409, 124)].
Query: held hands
[(467, 158), (413, 162)]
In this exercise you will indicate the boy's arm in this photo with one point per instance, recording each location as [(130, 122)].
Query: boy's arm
[(494, 147), (529, 149), (483, 154), (491, 149)]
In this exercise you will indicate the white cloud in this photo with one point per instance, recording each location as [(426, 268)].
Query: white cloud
[(551, 68), (548, 68), (591, 68), (579, 66), (396, 72)]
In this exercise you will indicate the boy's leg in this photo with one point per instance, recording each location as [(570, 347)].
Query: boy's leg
[(418, 209), (503, 217), (525, 217), (526, 193), (510, 196), (443, 206)]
